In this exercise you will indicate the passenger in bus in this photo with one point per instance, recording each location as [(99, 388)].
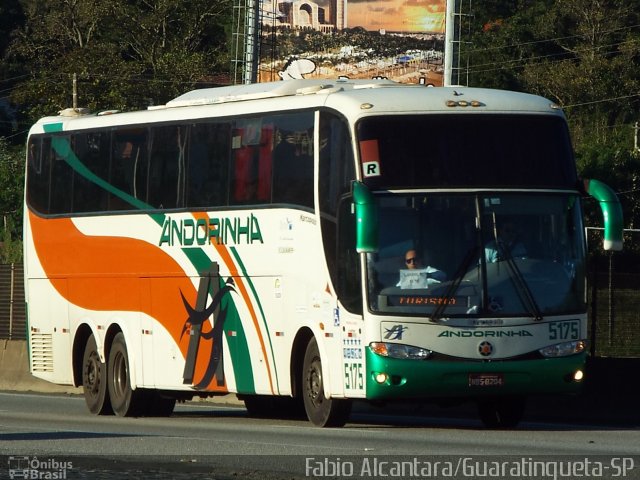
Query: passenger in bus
[(505, 246), (415, 275)]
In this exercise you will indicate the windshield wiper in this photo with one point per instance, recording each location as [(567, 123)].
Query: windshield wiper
[(520, 284), (453, 286)]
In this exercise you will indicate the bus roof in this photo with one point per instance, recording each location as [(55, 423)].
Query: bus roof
[(353, 98)]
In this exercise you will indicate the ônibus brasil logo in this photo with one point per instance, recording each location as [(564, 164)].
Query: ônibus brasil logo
[(27, 467)]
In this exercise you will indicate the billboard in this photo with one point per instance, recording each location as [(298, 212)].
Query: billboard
[(402, 40)]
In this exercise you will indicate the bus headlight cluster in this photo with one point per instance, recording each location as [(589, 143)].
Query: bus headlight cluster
[(564, 349), (398, 350)]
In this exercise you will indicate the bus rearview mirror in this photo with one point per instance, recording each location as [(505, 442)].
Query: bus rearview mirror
[(366, 210), (611, 211)]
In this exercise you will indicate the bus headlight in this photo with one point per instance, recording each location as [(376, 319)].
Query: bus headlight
[(398, 350), (564, 349)]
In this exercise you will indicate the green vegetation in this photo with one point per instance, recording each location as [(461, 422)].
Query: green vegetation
[(11, 187)]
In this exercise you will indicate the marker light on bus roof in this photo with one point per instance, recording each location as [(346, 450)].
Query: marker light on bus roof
[(464, 103)]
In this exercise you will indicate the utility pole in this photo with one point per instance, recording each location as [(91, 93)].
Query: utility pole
[(245, 41), (75, 91), (451, 44), (252, 53)]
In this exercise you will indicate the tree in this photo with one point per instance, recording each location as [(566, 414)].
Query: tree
[(11, 187), (127, 54), (10, 16)]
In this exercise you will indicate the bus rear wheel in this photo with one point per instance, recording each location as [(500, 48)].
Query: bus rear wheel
[(321, 411), (94, 380), (125, 401), (501, 412)]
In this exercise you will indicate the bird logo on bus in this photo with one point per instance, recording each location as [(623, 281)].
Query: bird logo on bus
[(395, 332)]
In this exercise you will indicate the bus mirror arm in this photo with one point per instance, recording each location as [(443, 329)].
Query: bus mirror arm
[(611, 212), (366, 210)]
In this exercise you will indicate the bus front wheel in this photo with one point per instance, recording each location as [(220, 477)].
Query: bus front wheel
[(125, 401), (501, 412), (321, 411), (94, 380)]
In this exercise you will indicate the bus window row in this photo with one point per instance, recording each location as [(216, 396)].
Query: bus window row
[(257, 160)]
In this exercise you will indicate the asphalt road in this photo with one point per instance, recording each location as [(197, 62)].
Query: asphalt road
[(56, 435)]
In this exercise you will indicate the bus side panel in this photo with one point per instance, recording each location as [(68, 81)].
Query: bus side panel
[(49, 333), (268, 339)]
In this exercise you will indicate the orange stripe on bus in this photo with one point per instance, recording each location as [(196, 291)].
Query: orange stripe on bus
[(106, 273)]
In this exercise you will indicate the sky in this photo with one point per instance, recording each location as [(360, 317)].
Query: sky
[(397, 15)]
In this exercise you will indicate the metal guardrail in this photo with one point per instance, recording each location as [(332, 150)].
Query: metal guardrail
[(12, 302)]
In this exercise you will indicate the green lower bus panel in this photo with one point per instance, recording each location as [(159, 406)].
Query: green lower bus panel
[(396, 379)]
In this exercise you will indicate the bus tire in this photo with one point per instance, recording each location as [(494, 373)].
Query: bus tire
[(94, 380), (125, 401), (501, 412), (321, 411)]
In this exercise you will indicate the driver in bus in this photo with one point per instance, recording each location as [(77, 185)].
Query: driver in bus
[(505, 246), (415, 275)]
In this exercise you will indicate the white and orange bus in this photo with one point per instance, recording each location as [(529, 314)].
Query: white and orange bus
[(252, 240)]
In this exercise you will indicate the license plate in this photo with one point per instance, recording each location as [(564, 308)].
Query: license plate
[(486, 380)]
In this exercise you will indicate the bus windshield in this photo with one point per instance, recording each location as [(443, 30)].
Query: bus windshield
[(498, 254)]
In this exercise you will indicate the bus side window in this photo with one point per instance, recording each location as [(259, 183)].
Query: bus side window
[(38, 173), (336, 172), (252, 162), (167, 166), (293, 168), (61, 181), (87, 195), (265, 164), (348, 262), (208, 171), (128, 168), (245, 172)]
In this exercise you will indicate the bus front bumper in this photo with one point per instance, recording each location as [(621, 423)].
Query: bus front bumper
[(396, 379)]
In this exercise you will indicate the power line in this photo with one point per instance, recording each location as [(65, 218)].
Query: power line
[(532, 60), (601, 101), (16, 134), (544, 40), (10, 79)]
